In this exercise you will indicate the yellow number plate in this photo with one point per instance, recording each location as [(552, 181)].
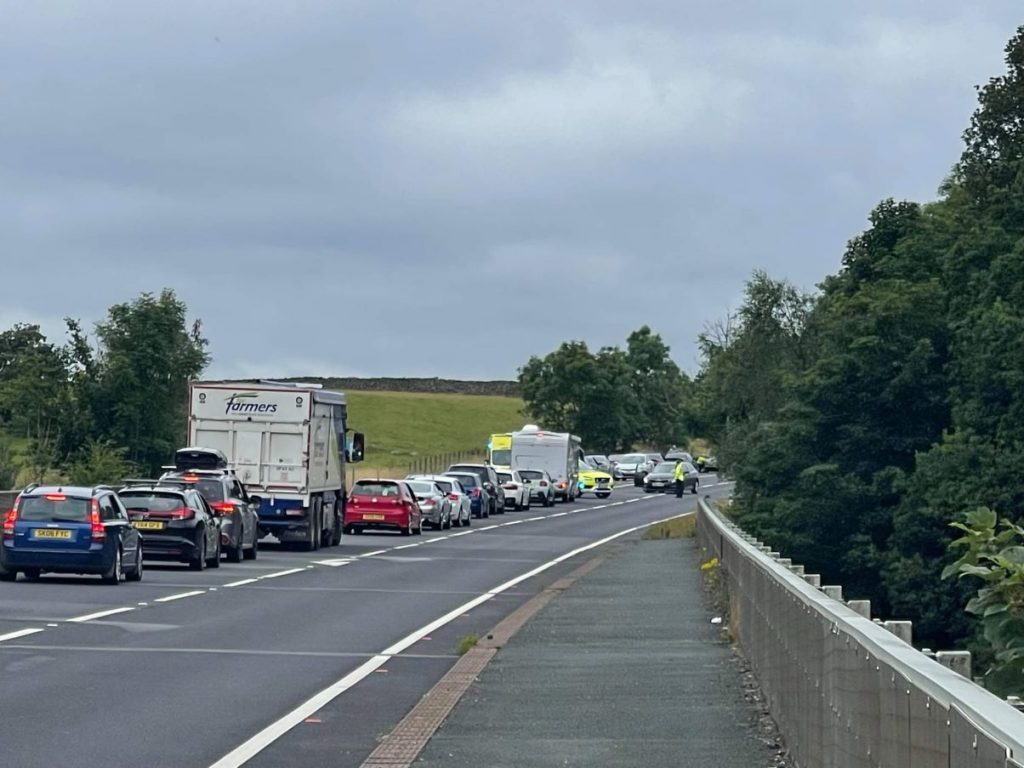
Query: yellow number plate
[(373, 517), (148, 525), (51, 533)]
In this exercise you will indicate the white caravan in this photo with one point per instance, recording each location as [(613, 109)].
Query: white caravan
[(557, 453)]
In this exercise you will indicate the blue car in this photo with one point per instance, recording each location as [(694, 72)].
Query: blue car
[(478, 505), (70, 530)]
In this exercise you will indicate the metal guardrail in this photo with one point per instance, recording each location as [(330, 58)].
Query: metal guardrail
[(845, 692)]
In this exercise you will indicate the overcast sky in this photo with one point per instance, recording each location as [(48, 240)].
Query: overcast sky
[(445, 188)]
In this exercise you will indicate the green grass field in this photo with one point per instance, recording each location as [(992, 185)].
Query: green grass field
[(403, 426)]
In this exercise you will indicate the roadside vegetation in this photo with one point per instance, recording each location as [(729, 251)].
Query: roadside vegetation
[(95, 409), (862, 419)]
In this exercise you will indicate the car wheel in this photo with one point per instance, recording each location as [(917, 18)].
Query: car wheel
[(235, 554), (419, 528), (252, 554), (214, 561), (6, 575), (696, 485), (406, 530), (198, 562), (603, 495), (136, 573), (32, 574), (448, 523), (116, 573)]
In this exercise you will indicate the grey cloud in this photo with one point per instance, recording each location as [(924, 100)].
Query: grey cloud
[(342, 185)]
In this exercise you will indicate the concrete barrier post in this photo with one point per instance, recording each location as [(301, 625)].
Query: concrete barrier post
[(904, 630), (835, 591), (863, 607), (958, 661)]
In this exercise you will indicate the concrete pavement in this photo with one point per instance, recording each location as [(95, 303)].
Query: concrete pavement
[(623, 669)]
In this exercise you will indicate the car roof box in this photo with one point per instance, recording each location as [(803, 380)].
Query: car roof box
[(196, 457)]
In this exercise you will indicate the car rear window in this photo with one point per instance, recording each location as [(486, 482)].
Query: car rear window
[(530, 474), (468, 481), (375, 489), (151, 502), (421, 486), (446, 487), (54, 508), (212, 489), (504, 477)]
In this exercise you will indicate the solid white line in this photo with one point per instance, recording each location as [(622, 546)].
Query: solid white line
[(533, 519), (180, 596), (99, 615), (282, 573), (408, 546), (241, 583), (559, 514), (375, 552), (514, 522), (274, 731), (256, 744), (487, 528), (19, 633)]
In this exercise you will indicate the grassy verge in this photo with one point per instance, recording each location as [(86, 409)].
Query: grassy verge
[(680, 528)]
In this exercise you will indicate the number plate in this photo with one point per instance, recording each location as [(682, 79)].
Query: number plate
[(148, 525), (50, 533), (373, 517)]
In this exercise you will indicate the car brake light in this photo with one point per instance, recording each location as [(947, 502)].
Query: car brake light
[(476, 492), (56, 497), (224, 507), (9, 518), (543, 483), (96, 530)]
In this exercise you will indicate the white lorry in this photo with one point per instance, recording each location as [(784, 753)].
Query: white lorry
[(557, 453), (288, 444)]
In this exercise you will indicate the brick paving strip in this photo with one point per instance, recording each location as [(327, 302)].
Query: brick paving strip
[(402, 746)]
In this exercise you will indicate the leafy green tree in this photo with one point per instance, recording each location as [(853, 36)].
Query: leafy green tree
[(148, 353), (100, 462), (660, 386), (993, 551), (33, 383)]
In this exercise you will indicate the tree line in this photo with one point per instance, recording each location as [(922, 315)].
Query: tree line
[(863, 419), (860, 421), (93, 409)]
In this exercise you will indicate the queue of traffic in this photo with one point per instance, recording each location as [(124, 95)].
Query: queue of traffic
[(269, 459)]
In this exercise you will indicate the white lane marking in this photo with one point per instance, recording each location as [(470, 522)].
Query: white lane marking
[(514, 522), (533, 519), (289, 572), (335, 562), (559, 514), (408, 546), (99, 615), (256, 744), (454, 535), (19, 633), (371, 554), (180, 596), (488, 528), (274, 731), (241, 583)]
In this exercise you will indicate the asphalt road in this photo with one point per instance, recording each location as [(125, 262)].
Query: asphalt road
[(297, 659)]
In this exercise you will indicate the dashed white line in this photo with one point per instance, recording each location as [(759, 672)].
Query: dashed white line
[(371, 554), (454, 535), (19, 633), (559, 514), (488, 528), (180, 596), (514, 522), (408, 546), (99, 615), (289, 572), (241, 583)]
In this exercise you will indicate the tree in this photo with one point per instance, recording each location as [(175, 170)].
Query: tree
[(148, 353)]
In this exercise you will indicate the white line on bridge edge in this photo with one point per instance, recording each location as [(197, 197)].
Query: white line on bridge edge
[(256, 744), (99, 615)]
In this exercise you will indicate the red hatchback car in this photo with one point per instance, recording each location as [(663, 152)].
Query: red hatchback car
[(383, 504)]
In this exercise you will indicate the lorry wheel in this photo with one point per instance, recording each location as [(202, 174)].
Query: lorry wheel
[(336, 532), (312, 542)]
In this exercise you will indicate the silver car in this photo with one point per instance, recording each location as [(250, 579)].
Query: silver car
[(434, 504), (635, 466), (461, 505)]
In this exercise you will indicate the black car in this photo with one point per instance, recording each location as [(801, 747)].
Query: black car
[(70, 530), (239, 522), (488, 481), (176, 524)]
